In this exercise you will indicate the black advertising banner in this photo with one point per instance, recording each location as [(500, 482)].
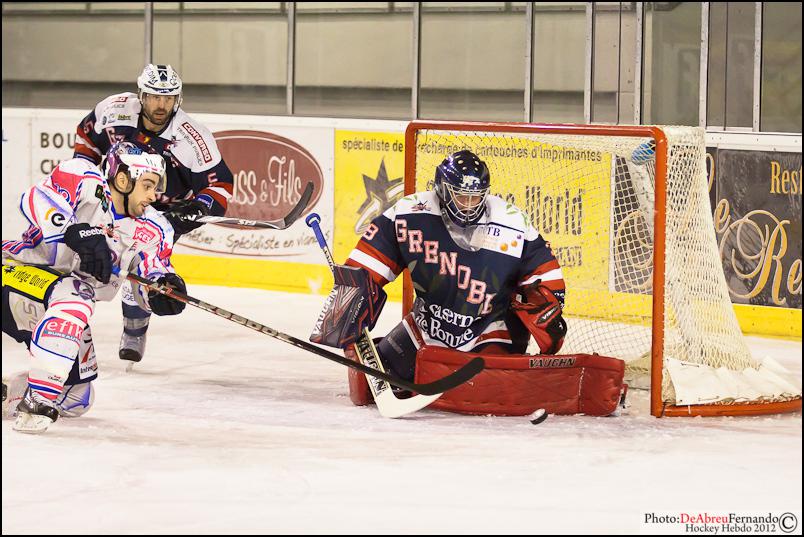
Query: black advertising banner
[(757, 216)]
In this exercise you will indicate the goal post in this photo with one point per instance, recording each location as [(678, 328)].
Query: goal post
[(627, 213)]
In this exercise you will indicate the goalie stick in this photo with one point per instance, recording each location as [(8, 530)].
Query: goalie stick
[(388, 404), (441, 385), (282, 223)]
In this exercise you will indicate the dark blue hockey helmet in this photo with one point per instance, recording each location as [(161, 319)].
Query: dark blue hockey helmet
[(462, 183)]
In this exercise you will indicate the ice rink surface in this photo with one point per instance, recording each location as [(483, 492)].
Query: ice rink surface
[(224, 430)]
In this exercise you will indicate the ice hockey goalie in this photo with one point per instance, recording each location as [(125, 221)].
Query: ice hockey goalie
[(486, 282)]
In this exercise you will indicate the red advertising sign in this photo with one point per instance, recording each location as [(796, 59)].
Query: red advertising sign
[(270, 173)]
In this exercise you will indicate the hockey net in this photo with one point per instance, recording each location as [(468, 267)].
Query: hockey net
[(627, 213)]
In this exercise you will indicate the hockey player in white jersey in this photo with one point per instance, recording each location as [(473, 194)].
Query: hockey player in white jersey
[(198, 180), (84, 224)]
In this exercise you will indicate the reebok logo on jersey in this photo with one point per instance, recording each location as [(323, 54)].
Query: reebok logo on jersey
[(202, 145)]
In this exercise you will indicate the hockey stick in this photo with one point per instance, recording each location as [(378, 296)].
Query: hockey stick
[(388, 404), (441, 385), (282, 223)]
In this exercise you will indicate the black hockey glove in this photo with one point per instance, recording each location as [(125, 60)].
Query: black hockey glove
[(90, 245), (179, 213), (163, 304)]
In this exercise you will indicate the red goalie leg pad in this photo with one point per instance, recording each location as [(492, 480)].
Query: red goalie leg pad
[(517, 385), (359, 391)]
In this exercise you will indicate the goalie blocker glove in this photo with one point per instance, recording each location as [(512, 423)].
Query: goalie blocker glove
[(353, 305), (541, 315)]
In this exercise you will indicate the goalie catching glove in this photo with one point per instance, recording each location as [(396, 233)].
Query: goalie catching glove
[(541, 315), (353, 305)]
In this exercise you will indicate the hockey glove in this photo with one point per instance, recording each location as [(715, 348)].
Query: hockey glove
[(178, 216), (541, 315), (163, 304), (90, 245), (353, 305)]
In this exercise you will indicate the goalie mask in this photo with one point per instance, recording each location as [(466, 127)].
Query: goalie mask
[(462, 183)]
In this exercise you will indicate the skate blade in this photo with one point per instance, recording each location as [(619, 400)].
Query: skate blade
[(130, 367), (31, 423)]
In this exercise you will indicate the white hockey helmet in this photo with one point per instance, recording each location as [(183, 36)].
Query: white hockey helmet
[(160, 80), (135, 159)]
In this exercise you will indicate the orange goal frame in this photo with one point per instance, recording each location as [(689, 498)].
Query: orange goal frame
[(658, 407)]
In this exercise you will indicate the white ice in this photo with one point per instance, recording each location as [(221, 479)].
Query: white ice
[(223, 430)]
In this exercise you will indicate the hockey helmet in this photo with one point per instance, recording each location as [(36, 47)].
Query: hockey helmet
[(135, 159), (462, 183), (160, 80)]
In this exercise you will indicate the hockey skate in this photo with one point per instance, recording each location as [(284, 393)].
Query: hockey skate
[(35, 414), (132, 348), (132, 343)]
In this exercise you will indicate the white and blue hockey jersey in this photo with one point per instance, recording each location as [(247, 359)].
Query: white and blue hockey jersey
[(76, 192)]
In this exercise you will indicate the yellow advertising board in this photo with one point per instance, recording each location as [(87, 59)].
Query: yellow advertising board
[(369, 178)]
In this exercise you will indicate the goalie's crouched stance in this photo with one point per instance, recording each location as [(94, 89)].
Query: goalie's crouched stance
[(512, 383), (50, 314)]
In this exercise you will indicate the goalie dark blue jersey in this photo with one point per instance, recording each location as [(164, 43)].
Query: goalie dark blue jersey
[(464, 278)]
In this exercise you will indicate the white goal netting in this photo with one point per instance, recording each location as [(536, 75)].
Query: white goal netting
[(593, 197)]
